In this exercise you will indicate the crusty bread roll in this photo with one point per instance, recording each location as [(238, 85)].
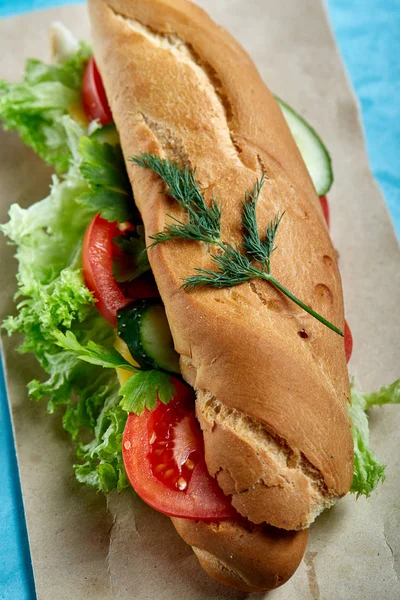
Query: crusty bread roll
[(248, 557), (271, 381)]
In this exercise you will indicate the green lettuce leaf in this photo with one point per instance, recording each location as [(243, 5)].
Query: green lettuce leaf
[(93, 353), (389, 394), (34, 106), (48, 234), (101, 459), (368, 470), (110, 191), (141, 391)]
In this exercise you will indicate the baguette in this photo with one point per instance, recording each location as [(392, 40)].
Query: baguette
[(271, 382), (247, 557)]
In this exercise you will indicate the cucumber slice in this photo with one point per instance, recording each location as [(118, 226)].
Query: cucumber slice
[(312, 149), (107, 135), (144, 328)]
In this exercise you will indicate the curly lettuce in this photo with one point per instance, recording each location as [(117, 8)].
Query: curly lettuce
[(53, 299), (34, 106), (368, 470)]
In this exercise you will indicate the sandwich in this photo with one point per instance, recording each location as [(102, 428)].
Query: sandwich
[(180, 287)]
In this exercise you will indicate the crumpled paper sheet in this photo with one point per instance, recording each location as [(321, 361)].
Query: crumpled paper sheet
[(81, 550)]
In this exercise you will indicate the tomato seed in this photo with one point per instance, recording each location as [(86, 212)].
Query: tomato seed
[(127, 445), (189, 464), (181, 483)]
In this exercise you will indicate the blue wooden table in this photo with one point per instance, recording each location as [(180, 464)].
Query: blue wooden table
[(367, 32)]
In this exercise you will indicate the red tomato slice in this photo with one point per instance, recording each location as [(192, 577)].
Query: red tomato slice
[(348, 341), (97, 268), (94, 97), (163, 455), (325, 209)]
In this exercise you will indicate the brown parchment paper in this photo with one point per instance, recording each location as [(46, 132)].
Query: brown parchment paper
[(80, 549)]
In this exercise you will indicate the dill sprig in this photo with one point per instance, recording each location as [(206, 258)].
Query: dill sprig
[(203, 222), (233, 266), (259, 250)]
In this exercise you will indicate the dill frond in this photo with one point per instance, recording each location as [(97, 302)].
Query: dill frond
[(233, 267), (259, 250), (203, 222)]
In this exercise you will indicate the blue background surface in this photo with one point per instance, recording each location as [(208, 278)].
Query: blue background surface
[(368, 34)]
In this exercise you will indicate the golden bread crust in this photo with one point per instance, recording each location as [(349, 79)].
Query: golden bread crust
[(247, 557), (182, 87)]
